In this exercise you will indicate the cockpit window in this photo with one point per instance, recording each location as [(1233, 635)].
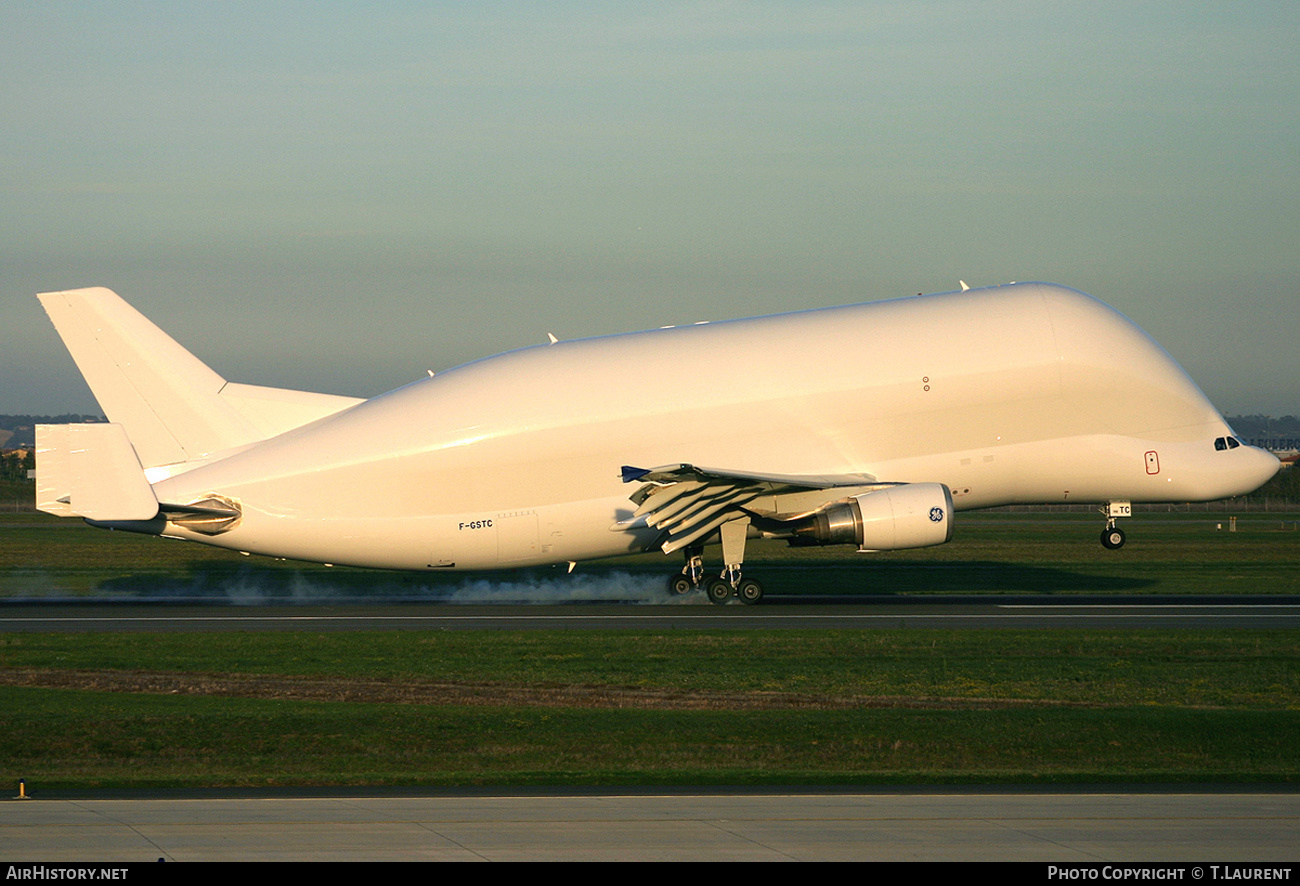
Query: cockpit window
[(1221, 443), (1233, 442)]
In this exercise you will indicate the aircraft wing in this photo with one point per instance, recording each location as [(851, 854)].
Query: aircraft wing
[(687, 503)]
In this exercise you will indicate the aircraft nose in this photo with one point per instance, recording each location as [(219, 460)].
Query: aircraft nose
[(1260, 467)]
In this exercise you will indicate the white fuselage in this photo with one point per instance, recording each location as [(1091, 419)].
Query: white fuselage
[(1015, 394)]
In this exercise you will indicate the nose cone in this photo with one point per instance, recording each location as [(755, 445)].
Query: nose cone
[(1257, 467)]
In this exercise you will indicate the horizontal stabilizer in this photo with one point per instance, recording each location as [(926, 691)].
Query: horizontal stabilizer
[(276, 410), (91, 471)]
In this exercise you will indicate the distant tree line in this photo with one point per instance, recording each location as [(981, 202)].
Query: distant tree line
[(23, 427), (1278, 434), (14, 466), (1284, 486), (9, 422), (18, 432)]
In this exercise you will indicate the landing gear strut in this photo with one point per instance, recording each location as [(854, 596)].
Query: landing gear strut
[(692, 573), (719, 590)]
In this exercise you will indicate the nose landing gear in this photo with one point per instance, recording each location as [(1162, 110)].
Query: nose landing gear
[(1112, 537)]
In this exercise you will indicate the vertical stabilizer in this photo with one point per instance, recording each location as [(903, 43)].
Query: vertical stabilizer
[(166, 399)]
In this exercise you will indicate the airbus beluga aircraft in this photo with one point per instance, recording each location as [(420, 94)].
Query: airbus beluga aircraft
[(865, 425)]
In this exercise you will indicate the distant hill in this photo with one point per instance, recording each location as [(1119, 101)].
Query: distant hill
[(19, 431)]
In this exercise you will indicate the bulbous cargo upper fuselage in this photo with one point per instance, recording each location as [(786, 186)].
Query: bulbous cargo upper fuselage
[(1020, 393)]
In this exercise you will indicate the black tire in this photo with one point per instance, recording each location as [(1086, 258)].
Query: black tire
[(718, 590), (679, 584), (1112, 538), (750, 591)]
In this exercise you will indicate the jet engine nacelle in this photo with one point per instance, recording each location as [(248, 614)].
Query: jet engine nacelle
[(915, 515)]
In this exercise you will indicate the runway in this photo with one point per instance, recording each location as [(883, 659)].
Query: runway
[(1021, 611), (890, 825), (1012, 824)]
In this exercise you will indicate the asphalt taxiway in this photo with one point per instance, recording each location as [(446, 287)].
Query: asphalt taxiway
[(999, 825), (1021, 611)]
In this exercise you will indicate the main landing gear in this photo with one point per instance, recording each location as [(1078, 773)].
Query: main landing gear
[(691, 575), (1112, 537), (719, 589), (730, 583), (747, 590)]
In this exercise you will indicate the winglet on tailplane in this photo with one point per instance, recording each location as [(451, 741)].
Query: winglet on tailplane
[(91, 471), (170, 405)]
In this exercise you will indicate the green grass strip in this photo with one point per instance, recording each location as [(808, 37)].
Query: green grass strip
[(68, 739), (1191, 668), (1115, 706)]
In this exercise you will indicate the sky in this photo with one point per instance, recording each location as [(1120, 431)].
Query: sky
[(339, 197)]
